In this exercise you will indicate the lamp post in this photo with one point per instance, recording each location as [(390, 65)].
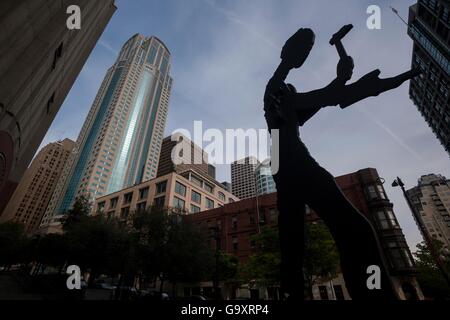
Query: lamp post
[(428, 239)]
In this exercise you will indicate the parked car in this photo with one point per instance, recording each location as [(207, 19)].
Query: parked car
[(196, 297), (103, 284), (153, 296)]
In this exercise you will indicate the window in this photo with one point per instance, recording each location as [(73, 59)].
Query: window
[(127, 198), (57, 55), (323, 293), (221, 196), (125, 212), (235, 243), (381, 192), (161, 187), (159, 202), (180, 189), (386, 219), (101, 207), (399, 257), (338, 292), (208, 188), (178, 203), (234, 223), (143, 193), (371, 192), (273, 213), (50, 102), (194, 209), (196, 197), (196, 181), (209, 204), (141, 206), (113, 203), (252, 240)]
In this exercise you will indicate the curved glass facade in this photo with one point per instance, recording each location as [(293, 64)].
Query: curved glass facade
[(86, 149), (125, 156)]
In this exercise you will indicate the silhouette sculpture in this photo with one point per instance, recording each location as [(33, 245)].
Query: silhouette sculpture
[(301, 181)]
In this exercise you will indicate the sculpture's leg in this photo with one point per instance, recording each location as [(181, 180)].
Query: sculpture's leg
[(291, 221), (354, 236)]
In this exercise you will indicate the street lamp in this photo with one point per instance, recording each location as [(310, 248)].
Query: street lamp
[(428, 239)]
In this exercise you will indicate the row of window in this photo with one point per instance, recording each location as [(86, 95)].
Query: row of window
[(196, 197)]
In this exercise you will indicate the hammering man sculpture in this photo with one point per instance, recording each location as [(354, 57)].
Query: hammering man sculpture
[(301, 181)]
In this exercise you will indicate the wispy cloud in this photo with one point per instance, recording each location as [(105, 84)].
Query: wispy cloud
[(104, 44), (233, 17)]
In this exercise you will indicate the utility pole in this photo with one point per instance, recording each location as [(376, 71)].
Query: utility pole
[(216, 235)]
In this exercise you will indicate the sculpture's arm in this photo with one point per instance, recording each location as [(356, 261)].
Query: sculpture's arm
[(371, 85), (337, 93)]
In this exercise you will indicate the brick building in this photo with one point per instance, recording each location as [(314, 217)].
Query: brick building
[(238, 221)]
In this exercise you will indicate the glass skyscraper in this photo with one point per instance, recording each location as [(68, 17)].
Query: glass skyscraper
[(120, 141), (429, 27), (264, 180)]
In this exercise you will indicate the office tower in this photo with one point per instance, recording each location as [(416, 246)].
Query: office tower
[(243, 182), (227, 185), (120, 141), (178, 153), (429, 27), (40, 58), (264, 180), (212, 171), (431, 198), (240, 220), (186, 192), (29, 201)]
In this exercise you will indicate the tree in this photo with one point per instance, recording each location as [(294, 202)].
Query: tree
[(77, 214), (13, 243), (264, 265), (321, 260), (429, 276), (170, 248)]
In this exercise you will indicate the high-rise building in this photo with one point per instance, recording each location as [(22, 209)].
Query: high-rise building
[(264, 180), (120, 141), (431, 198), (429, 27), (238, 221), (179, 153), (227, 185), (212, 170), (40, 58), (29, 201), (243, 182)]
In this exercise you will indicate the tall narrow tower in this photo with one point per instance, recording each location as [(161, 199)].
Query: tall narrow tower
[(120, 141)]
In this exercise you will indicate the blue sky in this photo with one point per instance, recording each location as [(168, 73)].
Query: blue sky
[(223, 53)]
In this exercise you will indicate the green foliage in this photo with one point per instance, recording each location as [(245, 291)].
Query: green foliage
[(171, 248), (227, 266), (152, 243), (321, 258), (264, 265), (13, 243), (430, 278)]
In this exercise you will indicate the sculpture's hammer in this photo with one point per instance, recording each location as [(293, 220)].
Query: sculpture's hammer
[(337, 37)]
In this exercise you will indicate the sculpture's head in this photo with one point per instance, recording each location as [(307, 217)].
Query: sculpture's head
[(297, 48)]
